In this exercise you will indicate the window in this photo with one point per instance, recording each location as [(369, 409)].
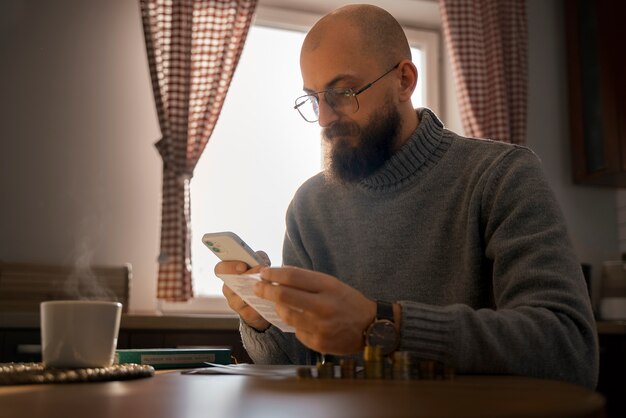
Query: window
[(261, 150)]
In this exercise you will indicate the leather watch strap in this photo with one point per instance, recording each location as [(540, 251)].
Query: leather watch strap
[(384, 310)]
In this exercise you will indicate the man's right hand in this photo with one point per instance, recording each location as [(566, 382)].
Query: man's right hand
[(245, 311)]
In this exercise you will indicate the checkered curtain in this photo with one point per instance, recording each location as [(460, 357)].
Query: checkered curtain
[(487, 40), (193, 47)]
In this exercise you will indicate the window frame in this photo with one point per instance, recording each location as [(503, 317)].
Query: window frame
[(427, 40)]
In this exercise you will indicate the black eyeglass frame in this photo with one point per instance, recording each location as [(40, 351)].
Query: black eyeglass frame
[(301, 100)]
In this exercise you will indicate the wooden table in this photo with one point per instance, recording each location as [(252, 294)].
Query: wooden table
[(174, 395)]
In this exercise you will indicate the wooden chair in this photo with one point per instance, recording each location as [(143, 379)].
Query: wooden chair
[(24, 286)]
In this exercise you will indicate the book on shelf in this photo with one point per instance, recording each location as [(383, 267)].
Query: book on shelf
[(173, 358)]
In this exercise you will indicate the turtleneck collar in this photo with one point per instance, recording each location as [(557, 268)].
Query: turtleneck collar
[(423, 150)]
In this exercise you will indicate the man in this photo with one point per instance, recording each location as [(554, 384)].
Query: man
[(415, 238)]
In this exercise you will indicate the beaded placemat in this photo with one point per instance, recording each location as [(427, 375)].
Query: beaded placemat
[(28, 373)]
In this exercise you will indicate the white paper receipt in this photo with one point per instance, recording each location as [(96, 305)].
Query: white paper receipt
[(242, 285)]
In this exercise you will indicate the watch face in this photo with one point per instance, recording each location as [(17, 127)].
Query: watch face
[(382, 333)]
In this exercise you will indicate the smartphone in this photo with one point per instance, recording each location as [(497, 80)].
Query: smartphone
[(229, 247)]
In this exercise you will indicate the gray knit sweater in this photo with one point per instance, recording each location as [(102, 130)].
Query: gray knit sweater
[(467, 236)]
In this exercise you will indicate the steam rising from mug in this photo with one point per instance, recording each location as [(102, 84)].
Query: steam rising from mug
[(82, 283)]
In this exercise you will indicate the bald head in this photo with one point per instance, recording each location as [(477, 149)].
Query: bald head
[(351, 49), (375, 33)]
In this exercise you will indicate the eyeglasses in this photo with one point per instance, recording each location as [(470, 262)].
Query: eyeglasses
[(342, 101)]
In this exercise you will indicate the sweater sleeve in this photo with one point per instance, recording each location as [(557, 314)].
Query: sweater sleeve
[(273, 346), (542, 324)]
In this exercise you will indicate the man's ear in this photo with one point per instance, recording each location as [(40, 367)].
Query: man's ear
[(408, 80)]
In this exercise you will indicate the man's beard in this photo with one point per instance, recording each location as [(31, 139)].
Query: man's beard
[(350, 162)]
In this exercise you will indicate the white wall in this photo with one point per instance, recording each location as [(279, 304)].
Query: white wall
[(79, 173), (78, 169)]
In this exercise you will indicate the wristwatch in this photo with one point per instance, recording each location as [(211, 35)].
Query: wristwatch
[(382, 332)]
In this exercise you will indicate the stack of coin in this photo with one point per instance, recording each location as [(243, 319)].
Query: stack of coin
[(373, 362), (402, 365), (325, 370), (304, 372), (401, 369), (348, 368), (427, 369), (448, 373)]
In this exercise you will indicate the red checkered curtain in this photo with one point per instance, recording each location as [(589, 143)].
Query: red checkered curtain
[(193, 47), (487, 40)]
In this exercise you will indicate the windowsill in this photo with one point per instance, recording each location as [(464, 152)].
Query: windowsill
[(193, 315), (198, 305)]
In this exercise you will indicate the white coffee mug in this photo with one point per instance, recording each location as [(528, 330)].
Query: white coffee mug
[(79, 333)]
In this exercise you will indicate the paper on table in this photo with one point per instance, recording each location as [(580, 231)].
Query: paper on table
[(263, 370), (242, 285)]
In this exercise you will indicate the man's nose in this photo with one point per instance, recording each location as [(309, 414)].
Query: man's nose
[(327, 115)]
